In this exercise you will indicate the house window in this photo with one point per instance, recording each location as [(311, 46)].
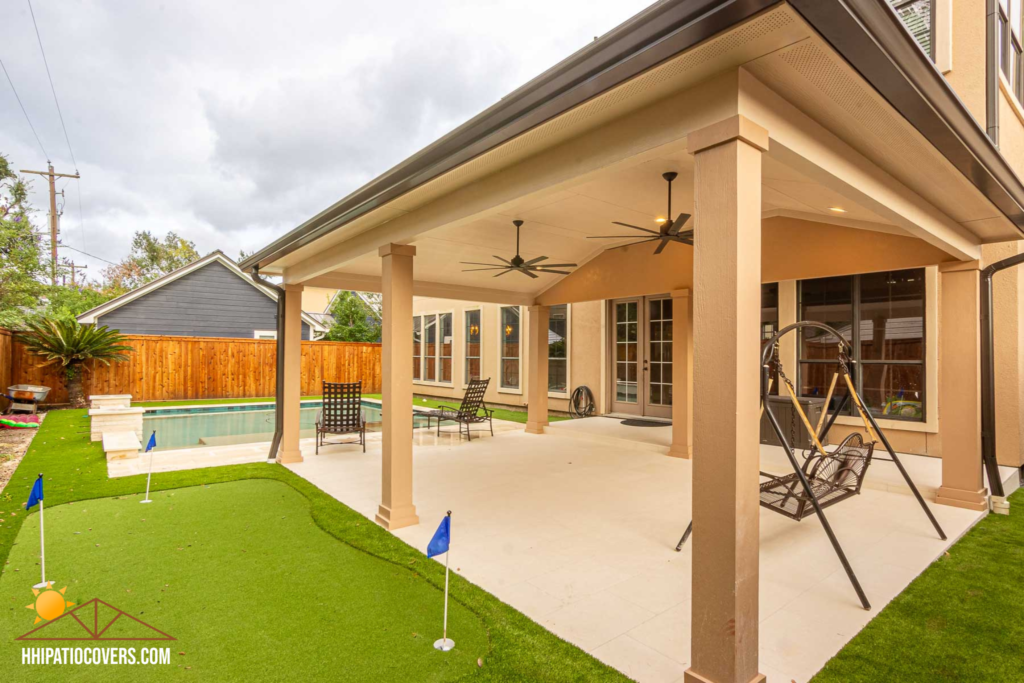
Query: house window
[(918, 17), (1010, 56), (770, 323), (264, 334), (417, 347), (558, 349), (882, 316), (445, 347), (473, 369), (511, 338), (432, 347)]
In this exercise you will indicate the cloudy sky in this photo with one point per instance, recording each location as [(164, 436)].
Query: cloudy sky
[(231, 122)]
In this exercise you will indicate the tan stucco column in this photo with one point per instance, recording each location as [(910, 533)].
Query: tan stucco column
[(682, 374), (537, 367), (726, 340), (960, 386), (289, 449), (396, 507)]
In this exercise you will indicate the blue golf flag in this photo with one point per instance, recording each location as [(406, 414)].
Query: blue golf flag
[(152, 442), (442, 537), (37, 494)]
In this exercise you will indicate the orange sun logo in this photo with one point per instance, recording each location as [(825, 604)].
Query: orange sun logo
[(49, 603)]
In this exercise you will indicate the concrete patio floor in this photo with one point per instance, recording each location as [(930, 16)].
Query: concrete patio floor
[(576, 529)]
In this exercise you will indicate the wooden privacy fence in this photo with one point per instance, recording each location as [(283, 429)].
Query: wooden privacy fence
[(185, 368)]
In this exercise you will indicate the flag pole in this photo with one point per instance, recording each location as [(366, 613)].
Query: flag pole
[(150, 475), (42, 546), (445, 644)]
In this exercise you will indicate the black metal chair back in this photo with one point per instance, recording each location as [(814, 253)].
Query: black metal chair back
[(342, 405), (474, 398)]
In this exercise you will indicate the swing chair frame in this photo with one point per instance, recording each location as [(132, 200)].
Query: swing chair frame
[(847, 368)]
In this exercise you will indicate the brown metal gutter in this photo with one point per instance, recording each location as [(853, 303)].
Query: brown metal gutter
[(867, 33)]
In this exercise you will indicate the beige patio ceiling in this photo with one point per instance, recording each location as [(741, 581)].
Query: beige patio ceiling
[(834, 144)]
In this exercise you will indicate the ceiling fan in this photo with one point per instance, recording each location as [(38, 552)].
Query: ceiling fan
[(519, 264), (670, 229)]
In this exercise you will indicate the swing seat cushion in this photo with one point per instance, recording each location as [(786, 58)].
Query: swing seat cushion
[(833, 477)]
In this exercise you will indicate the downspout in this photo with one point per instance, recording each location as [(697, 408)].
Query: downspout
[(275, 444), (988, 383), (992, 68)]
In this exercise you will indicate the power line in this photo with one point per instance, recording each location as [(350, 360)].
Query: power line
[(23, 111), (65, 246), (81, 214), (52, 89)]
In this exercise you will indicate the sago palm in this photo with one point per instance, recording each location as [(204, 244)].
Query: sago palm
[(71, 345)]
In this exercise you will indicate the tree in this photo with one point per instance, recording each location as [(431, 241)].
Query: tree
[(354, 320), (70, 344), (150, 258), (67, 303), (23, 265)]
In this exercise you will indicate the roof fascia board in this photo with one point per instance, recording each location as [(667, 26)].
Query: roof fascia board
[(660, 32), (870, 37)]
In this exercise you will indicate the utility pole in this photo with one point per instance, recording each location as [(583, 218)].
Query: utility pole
[(72, 266), (51, 177)]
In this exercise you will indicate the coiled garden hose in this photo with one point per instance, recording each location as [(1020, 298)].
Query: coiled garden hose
[(581, 404)]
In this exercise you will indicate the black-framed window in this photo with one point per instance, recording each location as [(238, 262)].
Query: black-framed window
[(558, 349), (882, 316), (770, 321), (918, 17), (473, 354)]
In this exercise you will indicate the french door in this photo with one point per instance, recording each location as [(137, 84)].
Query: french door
[(641, 340)]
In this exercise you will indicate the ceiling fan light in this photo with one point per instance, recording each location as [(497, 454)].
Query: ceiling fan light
[(660, 220)]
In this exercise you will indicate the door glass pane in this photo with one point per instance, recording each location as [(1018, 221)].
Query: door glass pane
[(472, 345), (626, 370), (893, 391), (558, 349), (659, 345), (826, 300), (446, 347), (417, 346), (510, 347), (430, 348)]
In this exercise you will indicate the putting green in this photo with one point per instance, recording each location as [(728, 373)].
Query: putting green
[(245, 582)]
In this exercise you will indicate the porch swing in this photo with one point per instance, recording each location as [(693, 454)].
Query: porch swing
[(825, 478)]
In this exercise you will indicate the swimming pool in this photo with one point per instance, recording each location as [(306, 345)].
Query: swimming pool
[(235, 424)]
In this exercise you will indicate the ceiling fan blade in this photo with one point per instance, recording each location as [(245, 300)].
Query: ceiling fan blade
[(474, 263), (556, 272), (526, 272), (623, 246), (635, 227), (536, 260), (661, 247), (678, 223), (503, 260), (505, 272), (557, 265), (478, 270), (686, 234), (617, 237)]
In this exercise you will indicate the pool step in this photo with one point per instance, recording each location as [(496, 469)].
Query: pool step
[(121, 445)]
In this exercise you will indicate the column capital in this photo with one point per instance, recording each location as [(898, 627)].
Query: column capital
[(959, 266), (397, 250), (681, 294), (294, 288), (733, 128)]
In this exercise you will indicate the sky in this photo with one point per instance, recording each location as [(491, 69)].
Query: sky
[(232, 122)]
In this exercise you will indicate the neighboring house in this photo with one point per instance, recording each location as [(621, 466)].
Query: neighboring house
[(210, 297)]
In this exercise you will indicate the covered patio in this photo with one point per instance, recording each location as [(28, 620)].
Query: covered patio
[(794, 165), (579, 534)]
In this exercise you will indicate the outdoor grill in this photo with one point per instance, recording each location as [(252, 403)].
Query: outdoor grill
[(25, 398)]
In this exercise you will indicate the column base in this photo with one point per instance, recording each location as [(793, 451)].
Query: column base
[(398, 518), (535, 427), (679, 451), (690, 677), (286, 457), (968, 500)]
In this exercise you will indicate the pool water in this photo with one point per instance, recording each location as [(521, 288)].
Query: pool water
[(228, 425)]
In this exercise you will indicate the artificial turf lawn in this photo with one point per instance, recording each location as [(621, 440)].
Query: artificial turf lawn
[(75, 470), (961, 620), (245, 581)]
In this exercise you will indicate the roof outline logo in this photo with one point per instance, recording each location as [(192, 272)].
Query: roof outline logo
[(89, 620)]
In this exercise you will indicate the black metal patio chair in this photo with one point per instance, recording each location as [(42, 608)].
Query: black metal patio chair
[(341, 413), (469, 412)]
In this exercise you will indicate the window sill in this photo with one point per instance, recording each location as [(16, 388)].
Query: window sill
[(555, 394), (889, 425), (427, 383), (510, 390)]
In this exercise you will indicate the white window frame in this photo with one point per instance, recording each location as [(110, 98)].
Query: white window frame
[(465, 344), (437, 352), (568, 356), (501, 358), (264, 334)]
